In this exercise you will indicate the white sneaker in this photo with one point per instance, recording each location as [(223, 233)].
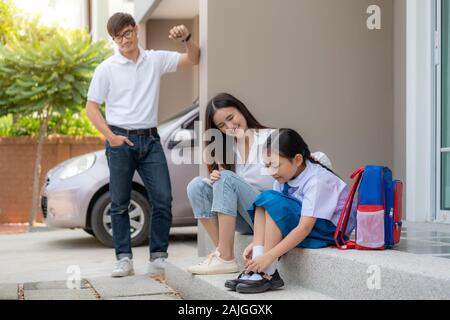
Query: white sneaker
[(156, 266), (123, 268), (215, 265)]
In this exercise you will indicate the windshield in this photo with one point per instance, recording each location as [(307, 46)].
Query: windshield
[(173, 119)]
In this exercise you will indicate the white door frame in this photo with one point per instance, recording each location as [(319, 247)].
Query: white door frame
[(420, 116)]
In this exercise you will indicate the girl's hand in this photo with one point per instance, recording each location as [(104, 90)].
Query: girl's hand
[(214, 176), (260, 263), (247, 255)]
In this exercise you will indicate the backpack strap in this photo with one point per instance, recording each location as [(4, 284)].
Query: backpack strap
[(345, 213)]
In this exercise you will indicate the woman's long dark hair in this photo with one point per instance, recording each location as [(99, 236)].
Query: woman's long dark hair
[(225, 100), (290, 143)]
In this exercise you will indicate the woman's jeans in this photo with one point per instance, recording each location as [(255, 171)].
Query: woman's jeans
[(147, 157), (229, 195)]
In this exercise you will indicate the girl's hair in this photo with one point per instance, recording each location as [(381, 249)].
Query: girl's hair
[(288, 143), (225, 100)]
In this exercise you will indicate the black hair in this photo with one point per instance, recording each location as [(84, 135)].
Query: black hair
[(119, 21), (290, 143), (225, 100)]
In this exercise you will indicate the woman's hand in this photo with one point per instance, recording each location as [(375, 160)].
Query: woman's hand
[(247, 254), (260, 263), (214, 176)]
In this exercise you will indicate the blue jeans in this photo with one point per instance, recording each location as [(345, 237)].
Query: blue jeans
[(230, 195), (147, 157)]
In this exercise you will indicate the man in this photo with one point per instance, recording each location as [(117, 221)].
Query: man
[(129, 83)]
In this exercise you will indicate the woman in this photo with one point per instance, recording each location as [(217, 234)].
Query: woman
[(232, 185)]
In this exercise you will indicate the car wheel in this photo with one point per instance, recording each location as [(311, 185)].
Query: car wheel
[(138, 211)]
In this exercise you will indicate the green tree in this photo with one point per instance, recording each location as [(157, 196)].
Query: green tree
[(47, 70), (9, 21)]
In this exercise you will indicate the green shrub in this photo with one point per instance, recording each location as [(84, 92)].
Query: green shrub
[(70, 123)]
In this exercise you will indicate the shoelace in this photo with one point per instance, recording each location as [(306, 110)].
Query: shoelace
[(209, 259), (121, 264)]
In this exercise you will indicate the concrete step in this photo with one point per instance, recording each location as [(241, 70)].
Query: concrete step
[(331, 273), (211, 287), (357, 274)]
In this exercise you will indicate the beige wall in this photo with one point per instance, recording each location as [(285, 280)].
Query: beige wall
[(195, 71), (311, 65), (180, 89)]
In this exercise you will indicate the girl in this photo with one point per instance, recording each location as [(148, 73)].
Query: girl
[(301, 211)]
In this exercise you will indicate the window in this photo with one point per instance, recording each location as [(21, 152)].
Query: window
[(443, 109)]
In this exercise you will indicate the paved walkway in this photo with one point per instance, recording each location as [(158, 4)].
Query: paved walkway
[(102, 288), (70, 264), (431, 239)]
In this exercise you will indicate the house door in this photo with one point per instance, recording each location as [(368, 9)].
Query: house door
[(443, 110)]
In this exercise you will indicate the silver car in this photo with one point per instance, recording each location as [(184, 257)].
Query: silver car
[(76, 192)]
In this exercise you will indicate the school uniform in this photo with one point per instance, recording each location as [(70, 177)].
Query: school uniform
[(316, 192)]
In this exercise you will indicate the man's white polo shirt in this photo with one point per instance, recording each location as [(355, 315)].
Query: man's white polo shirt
[(131, 91)]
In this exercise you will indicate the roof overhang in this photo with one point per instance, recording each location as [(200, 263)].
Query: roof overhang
[(165, 9)]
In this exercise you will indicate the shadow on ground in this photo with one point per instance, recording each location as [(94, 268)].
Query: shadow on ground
[(89, 242)]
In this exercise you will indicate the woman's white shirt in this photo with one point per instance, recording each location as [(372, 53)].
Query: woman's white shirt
[(253, 170)]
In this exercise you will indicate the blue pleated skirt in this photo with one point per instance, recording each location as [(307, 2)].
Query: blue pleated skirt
[(285, 211)]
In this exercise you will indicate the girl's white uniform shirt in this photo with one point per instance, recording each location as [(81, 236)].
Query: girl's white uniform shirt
[(322, 193)]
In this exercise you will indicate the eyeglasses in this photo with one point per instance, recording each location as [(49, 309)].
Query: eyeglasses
[(127, 35)]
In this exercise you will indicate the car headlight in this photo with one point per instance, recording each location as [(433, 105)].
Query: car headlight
[(76, 166)]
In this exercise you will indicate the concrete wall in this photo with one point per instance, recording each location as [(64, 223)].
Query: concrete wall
[(101, 11), (399, 141), (307, 64), (100, 18), (180, 89), (195, 70)]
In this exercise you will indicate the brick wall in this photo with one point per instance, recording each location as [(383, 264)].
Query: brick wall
[(17, 157)]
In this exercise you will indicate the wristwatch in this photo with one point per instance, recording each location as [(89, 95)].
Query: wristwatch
[(187, 38)]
